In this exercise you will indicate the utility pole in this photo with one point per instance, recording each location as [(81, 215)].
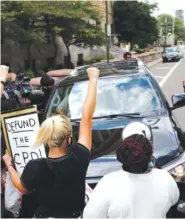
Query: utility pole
[(173, 29), (106, 30), (165, 41)]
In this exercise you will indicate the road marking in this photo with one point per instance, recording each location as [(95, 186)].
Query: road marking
[(169, 73), (163, 68), (159, 76)]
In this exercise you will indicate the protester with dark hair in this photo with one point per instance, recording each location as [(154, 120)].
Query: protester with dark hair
[(127, 56), (136, 191), (47, 84), (59, 180)]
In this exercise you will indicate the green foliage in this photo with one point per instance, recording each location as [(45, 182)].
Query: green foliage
[(41, 73), (134, 22), (30, 22), (166, 26), (81, 33), (139, 51), (30, 73), (98, 59)]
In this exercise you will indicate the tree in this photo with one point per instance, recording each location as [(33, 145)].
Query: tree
[(134, 22), (29, 22), (179, 28), (81, 33)]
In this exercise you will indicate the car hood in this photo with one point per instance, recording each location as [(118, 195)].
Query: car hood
[(107, 138)]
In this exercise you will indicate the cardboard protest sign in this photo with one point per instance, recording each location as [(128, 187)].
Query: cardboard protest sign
[(20, 129)]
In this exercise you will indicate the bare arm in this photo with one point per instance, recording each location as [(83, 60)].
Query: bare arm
[(15, 177), (85, 134), (1, 88), (3, 76)]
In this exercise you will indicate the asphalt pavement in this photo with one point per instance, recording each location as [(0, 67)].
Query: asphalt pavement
[(170, 76)]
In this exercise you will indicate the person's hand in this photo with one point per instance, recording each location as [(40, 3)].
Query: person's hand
[(93, 73), (11, 77), (3, 72), (7, 159)]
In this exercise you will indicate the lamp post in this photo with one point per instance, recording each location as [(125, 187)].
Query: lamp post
[(165, 39), (173, 29)]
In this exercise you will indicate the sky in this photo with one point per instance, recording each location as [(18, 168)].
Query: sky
[(168, 6)]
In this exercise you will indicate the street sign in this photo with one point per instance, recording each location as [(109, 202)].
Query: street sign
[(108, 26)]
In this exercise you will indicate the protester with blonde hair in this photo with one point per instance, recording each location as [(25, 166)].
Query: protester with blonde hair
[(59, 180)]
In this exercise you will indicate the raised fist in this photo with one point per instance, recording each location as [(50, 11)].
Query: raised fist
[(93, 73), (3, 72)]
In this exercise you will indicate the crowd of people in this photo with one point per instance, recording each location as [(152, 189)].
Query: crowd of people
[(55, 186)]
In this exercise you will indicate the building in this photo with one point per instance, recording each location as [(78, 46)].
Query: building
[(180, 14), (42, 55)]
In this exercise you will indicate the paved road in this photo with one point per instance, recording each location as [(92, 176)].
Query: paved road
[(170, 77)]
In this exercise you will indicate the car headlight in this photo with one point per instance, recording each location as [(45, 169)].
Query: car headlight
[(179, 172), (177, 168)]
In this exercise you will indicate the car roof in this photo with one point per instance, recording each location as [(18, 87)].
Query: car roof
[(113, 68)]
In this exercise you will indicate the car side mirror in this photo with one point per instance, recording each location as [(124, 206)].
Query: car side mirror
[(178, 101)]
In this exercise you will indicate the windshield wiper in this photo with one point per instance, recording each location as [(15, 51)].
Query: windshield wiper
[(112, 116)]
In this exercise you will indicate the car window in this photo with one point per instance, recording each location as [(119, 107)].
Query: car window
[(170, 49), (116, 95)]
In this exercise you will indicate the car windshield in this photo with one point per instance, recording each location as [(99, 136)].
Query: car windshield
[(116, 95), (171, 50)]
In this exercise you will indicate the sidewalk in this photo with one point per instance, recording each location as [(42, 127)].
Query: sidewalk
[(150, 64)]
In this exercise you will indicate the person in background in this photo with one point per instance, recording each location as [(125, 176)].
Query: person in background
[(47, 84), (136, 191), (59, 180), (127, 56), (3, 77)]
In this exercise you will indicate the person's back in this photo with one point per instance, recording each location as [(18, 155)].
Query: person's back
[(138, 190), (129, 195), (52, 186)]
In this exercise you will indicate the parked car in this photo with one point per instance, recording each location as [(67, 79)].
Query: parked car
[(127, 92), (171, 54), (181, 52)]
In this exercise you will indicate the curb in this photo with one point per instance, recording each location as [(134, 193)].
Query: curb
[(154, 63)]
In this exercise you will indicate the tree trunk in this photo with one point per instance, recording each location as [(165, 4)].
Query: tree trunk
[(131, 46), (69, 57), (55, 47), (29, 56)]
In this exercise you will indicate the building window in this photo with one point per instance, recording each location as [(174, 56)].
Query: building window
[(80, 59), (26, 64), (80, 56), (50, 62), (34, 64), (98, 23), (65, 61)]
